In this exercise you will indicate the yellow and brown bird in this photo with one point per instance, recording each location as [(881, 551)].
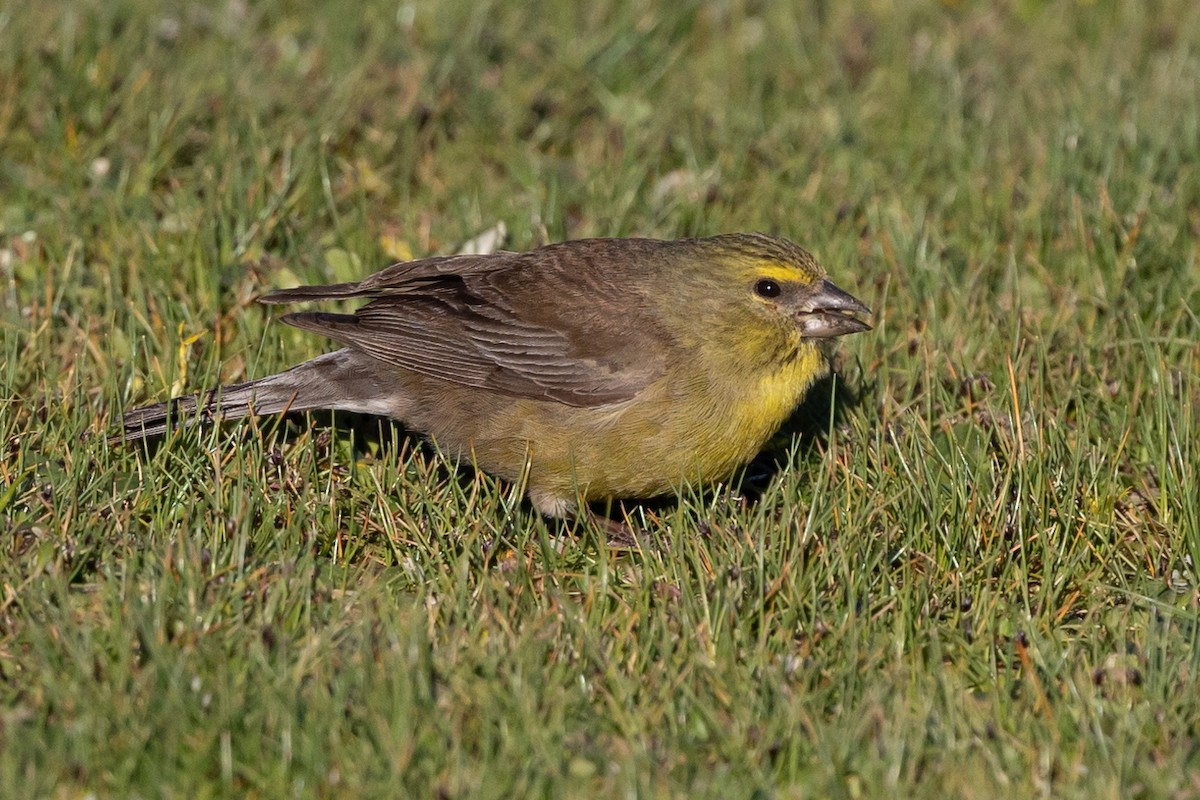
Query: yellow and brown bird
[(593, 369)]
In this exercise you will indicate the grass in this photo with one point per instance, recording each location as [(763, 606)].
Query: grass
[(973, 576)]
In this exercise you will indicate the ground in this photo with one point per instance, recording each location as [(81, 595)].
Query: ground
[(967, 570)]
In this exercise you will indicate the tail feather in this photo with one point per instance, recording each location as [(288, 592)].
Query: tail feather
[(343, 380), (224, 403), (305, 294)]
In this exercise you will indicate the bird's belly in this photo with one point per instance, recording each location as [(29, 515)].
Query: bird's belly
[(666, 437)]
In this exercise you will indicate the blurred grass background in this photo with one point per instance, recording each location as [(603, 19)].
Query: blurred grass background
[(978, 579)]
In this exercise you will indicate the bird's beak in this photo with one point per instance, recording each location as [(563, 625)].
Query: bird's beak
[(825, 312)]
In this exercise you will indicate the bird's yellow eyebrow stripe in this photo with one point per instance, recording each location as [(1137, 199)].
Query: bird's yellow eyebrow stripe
[(784, 273)]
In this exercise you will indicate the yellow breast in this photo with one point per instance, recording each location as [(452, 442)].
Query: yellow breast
[(755, 415), (677, 432)]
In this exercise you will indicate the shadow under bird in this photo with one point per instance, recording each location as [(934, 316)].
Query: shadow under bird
[(596, 369)]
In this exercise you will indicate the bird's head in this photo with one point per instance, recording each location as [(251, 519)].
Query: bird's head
[(775, 297)]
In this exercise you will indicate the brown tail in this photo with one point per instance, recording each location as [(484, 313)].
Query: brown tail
[(344, 380)]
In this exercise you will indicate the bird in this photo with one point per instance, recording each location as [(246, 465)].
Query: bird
[(594, 370)]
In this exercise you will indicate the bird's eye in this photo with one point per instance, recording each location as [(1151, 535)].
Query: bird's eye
[(767, 288)]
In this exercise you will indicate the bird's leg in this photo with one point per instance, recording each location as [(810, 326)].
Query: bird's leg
[(621, 534), (618, 535)]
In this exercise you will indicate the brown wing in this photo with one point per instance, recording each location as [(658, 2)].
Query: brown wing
[(549, 324)]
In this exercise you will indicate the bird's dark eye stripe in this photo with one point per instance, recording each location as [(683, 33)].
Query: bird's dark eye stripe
[(767, 288)]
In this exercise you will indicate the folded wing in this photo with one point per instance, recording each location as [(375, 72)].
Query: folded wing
[(546, 326)]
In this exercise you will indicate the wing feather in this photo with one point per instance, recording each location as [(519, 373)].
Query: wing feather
[(498, 322)]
